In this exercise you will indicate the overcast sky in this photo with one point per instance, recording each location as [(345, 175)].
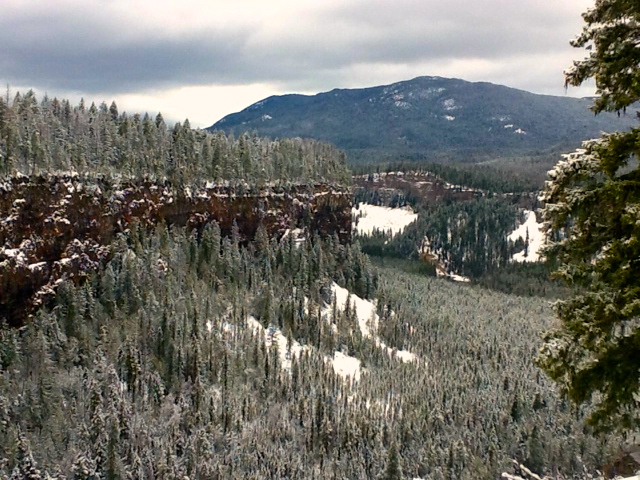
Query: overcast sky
[(203, 59)]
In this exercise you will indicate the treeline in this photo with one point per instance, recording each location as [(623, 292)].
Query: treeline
[(52, 135), (477, 176)]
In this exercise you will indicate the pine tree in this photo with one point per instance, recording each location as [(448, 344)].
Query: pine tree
[(392, 471), (592, 212), (26, 468)]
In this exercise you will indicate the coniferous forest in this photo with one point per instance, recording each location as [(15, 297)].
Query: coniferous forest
[(200, 353)]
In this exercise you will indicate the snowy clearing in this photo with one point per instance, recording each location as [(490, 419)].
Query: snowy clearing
[(536, 238), (385, 219)]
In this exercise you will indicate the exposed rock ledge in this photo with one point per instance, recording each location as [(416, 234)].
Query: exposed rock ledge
[(56, 227)]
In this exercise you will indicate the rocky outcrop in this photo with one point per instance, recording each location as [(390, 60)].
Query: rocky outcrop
[(57, 227), (421, 187)]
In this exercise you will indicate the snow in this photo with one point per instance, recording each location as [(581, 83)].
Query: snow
[(297, 234), (406, 356), (364, 309), (450, 104), (451, 118), (274, 335), (536, 238), (385, 219), (10, 252), (266, 117), (441, 269), (37, 267), (345, 366), (520, 131), (452, 276), (368, 320)]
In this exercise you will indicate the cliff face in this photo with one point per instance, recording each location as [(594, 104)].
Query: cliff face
[(57, 227)]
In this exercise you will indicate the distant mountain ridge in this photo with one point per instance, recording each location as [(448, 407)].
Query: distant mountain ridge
[(428, 118)]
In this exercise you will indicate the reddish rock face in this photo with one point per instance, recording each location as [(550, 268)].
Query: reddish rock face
[(56, 227)]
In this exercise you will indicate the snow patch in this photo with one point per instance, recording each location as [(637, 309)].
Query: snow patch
[(451, 118), (368, 319), (508, 126), (266, 117), (536, 238), (450, 104), (345, 366), (364, 309), (391, 220), (37, 267), (452, 276), (297, 234), (520, 131), (287, 348)]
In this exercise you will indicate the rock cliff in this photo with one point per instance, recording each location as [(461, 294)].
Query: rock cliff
[(60, 227)]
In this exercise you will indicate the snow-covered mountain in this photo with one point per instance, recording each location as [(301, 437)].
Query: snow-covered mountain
[(428, 118)]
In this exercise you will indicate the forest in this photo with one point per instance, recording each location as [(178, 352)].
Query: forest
[(190, 353)]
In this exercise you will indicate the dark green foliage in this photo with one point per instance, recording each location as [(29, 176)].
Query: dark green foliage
[(611, 35), (53, 136), (393, 471), (408, 121), (593, 209), (466, 238), (593, 206), (524, 279)]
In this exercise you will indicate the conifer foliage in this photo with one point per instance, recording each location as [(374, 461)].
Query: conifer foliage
[(52, 135), (593, 219)]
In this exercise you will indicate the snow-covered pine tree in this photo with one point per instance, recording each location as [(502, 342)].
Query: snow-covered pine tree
[(592, 215)]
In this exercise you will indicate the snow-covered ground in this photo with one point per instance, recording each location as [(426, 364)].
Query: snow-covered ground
[(452, 276), (297, 234), (345, 366), (385, 219), (368, 319), (536, 238), (273, 335)]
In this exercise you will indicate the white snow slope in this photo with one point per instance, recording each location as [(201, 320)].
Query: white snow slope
[(274, 335), (385, 219), (536, 238), (367, 319)]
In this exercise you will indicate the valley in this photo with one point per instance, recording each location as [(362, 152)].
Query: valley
[(176, 303)]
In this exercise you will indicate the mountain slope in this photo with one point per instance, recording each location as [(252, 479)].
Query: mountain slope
[(428, 118)]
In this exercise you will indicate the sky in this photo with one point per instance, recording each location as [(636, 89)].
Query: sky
[(204, 59)]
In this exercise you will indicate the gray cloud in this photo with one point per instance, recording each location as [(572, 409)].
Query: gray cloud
[(87, 51)]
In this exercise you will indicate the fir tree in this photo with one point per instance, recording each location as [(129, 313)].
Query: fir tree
[(592, 211), (393, 472)]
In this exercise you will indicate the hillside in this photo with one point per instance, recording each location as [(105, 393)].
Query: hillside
[(428, 118)]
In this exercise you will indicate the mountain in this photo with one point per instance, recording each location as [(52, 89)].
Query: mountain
[(428, 118)]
